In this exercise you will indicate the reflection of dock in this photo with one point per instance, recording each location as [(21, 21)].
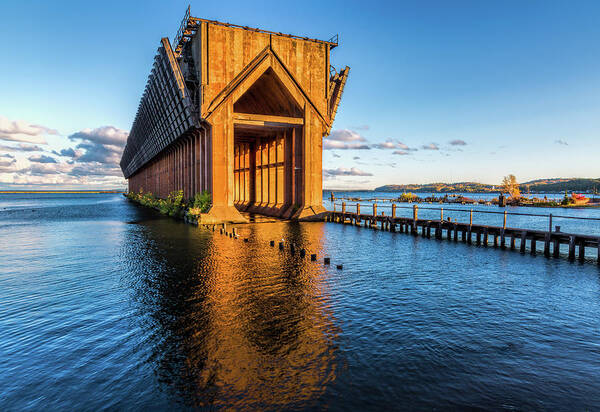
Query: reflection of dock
[(482, 235)]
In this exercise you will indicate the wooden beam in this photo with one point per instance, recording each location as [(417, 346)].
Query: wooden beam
[(265, 120), (255, 119)]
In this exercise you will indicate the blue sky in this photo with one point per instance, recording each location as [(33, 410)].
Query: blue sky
[(517, 82)]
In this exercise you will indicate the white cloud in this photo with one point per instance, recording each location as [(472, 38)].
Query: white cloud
[(430, 146), (388, 144), (102, 145), (21, 131), (94, 162), (41, 159), (458, 142), (345, 135), (107, 135), (341, 171), (337, 145), (21, 147), (392, 144), (345, 139)]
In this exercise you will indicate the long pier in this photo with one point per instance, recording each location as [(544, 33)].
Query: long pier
[(502, 237)]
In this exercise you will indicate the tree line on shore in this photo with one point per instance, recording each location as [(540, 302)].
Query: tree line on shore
[(535, 186)]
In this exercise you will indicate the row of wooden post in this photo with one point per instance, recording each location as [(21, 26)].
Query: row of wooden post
[(416, 209), (547, 240)]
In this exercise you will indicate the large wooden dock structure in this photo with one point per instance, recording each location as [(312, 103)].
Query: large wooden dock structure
[(525, 240), (238, 112)]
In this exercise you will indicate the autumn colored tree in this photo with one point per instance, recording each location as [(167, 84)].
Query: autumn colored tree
[(510, 186)]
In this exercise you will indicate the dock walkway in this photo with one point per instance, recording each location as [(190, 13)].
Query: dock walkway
[(535, 241)]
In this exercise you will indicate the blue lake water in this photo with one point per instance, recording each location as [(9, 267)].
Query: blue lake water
[(107, 305)]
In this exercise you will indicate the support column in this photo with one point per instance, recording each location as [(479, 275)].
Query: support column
[(311, 207), (222, 137)]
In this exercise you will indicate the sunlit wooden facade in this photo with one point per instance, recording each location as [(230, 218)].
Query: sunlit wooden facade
[(244, 119)]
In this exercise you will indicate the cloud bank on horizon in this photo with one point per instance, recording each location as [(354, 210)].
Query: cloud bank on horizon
[(349, 140), (89, 160)]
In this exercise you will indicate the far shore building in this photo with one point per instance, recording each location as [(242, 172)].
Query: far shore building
[(238, 112)]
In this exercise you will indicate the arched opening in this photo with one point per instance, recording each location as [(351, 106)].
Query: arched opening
[(268, 125)]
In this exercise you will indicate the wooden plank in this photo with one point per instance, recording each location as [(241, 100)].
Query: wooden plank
[(523, 241)]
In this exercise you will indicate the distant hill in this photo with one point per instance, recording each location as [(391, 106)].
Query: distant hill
[(536, 186)]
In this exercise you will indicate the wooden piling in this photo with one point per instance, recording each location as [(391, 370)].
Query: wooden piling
[(547, 244), (503, 239), (485, 237), (415, 215), (556, 250), (375, 210), (581, 250), (478, 238), (393, 211), (571, 247), (533, 245), (512, 241), (523, 241)]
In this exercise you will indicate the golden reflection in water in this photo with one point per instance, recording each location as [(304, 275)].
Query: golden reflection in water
[(255, 329)]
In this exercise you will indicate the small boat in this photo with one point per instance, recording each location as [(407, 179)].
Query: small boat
[(579, 199)]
